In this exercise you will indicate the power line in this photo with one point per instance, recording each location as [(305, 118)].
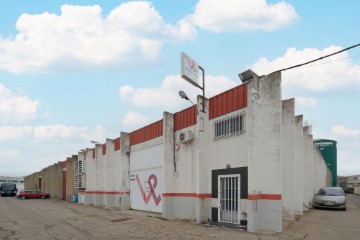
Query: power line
[(336, 60), (320, 58)]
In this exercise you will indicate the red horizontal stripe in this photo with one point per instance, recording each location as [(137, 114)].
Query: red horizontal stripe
[(194, 195), (264, 196), (109, 193)]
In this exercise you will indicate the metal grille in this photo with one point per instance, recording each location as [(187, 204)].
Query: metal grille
[(233, 125), (79, 174), (229, 198)]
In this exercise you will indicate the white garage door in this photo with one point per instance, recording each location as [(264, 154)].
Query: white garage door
[(146, 179)]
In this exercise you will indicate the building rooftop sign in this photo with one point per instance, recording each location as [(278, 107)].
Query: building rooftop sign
[(190, 70)]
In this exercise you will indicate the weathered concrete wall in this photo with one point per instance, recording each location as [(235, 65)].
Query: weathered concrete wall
[(124, 173), (70, 189), (265, 176), (288, 159), (298, 166), (310, 174), (59, 180), (306, 169), (31, 182), (89, 195), (100, 177), (179, 172), (203, 166)]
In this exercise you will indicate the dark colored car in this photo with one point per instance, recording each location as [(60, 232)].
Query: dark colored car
[(8, 189), (32, 194)]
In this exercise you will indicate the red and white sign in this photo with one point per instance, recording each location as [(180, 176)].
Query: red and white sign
[(189, 70)]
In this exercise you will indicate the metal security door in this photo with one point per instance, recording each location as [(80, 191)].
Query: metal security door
[(229, 198)]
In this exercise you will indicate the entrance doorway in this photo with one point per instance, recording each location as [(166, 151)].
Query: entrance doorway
[(229, 198)]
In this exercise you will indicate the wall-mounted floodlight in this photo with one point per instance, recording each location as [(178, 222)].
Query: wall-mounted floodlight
[(94, 142), (247, 75), (182, 94)]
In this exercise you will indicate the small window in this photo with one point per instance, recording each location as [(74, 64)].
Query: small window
[(230, 126)]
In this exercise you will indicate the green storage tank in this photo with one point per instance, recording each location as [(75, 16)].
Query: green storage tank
[(328, 151)]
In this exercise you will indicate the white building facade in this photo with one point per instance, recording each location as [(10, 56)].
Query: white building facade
[(246, 161)]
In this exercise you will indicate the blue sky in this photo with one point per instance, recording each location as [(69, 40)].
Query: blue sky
[(76, 71)]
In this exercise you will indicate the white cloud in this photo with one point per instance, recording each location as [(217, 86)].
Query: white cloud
[(328, 74), (12, 133), (343, 131), (134, 119), (305, 102), (167, 93), (242, 15), (80, 36), (58, 131), (9, 154), (14, 108), (99, 134)]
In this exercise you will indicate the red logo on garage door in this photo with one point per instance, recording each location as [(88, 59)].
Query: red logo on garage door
[(152, 181)]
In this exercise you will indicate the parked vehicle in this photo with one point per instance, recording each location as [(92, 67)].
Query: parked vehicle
[(8, 189), (330, 197), (32, 194)]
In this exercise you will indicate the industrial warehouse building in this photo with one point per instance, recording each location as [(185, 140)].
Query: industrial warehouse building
[(246, 160)]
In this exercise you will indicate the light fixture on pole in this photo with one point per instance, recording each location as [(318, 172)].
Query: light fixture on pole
[(247, 75), (182, 94)]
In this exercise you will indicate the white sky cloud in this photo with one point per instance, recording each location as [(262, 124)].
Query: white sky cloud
[(13, 133), (14, 108), (5, 155), (58, 131), (134, 119), (343, 131), (99, 134), (166, 94), (305, 102), (80, 36), (242, 15), (324, 75)]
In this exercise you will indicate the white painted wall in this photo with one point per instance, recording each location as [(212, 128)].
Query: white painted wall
[(90, 177), (288, 159), (113, 182), (100, 177)]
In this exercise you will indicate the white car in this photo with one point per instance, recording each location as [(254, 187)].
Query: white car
[(330, 197)]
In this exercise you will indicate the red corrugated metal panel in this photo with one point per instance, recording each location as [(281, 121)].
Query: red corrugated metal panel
[(103, 149), (185, 118), (93, 153), (146, 133), (117, 144), (229, 101), (63, 164)]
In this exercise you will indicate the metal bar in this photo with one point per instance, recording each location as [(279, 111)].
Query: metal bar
[(203, 87), (231, 199)]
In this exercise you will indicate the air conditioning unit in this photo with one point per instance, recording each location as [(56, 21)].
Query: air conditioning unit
[(186, 137)]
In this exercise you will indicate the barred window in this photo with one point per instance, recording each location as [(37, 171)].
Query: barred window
[(230, 126)]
